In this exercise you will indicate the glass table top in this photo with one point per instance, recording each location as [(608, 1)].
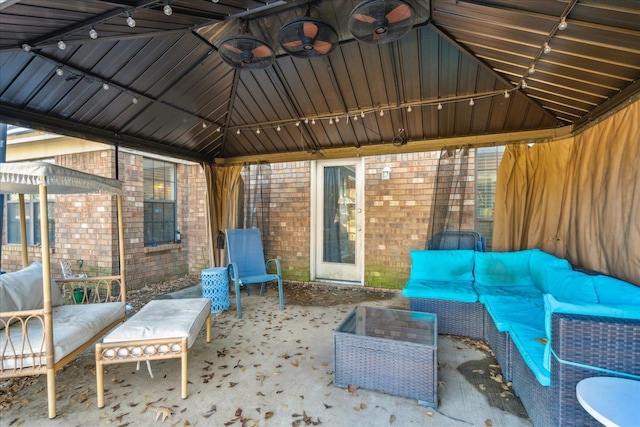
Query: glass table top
[(400, 325)]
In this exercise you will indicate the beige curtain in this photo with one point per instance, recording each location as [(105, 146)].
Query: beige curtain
[(578, 198), (224, 186)]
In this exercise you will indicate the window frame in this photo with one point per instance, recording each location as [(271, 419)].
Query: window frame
[(160, 231)]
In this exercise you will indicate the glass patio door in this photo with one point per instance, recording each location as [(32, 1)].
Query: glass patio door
[(339, 220)]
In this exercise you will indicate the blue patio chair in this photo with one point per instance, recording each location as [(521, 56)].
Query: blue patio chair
[(458, 239), (246, 263)]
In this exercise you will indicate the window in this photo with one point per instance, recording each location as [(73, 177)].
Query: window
[(32, 217), (159, 202), (487, 161)]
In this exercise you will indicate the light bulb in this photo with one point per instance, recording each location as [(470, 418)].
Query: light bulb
[(134, 100), (439, 106), (532, 69), (93, 33), (523, 84), (355, 117), (278, 128), (409, 109), (330, 121), (362, 114), (167, 9), (204, 125), (238, 132), (506, 95), (130, 21), (563, 24), (313, 121), (218, 130), (62, 45), (59, 71), (258, 131), (546, 48), (26, 47), (471, 102), (337, 119), (381, 113), (298, 123), (105, 86)]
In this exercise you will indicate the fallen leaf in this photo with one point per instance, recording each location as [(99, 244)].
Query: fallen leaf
[(164, 412), (363, 406), (429, 413), (392, 418), (268, 415), (488, 423)]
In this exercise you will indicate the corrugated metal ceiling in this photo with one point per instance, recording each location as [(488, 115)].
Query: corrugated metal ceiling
[(161, 86)]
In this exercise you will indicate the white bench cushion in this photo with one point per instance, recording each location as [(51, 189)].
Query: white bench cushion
[(73, 325), (165, 318)]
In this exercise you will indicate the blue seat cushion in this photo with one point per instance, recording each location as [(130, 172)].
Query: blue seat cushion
[(503, 268), (508, 311), (530, 342), (442, 266), (485, 291), (451, 291)]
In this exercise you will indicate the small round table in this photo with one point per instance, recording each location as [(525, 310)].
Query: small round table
[(215, 286), (610, 400)]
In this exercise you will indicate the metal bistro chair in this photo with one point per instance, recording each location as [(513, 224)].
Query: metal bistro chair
[(454, 239), (67, 271), (246, 263)]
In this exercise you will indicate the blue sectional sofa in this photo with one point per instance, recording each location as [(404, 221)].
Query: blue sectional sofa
[(548, 325)]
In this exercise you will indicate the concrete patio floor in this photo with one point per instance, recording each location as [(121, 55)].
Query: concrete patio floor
[(271, 368)]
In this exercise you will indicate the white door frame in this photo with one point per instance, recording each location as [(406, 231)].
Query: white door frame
[(315, 249)]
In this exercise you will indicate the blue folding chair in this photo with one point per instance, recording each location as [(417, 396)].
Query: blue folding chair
[(246, 263)]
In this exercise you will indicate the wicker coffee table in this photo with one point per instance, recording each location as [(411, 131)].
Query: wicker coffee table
[(393, 351)]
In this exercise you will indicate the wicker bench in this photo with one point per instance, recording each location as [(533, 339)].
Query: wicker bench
[(162, 329)]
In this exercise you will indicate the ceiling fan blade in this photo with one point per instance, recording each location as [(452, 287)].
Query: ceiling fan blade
[(400, 13), (232, 48), (294, 43), (310, 29), (366, 18), (322, 46), (262, 51)]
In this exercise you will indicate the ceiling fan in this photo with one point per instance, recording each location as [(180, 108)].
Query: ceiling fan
[(308, 37), (246, 52), (381, 21)]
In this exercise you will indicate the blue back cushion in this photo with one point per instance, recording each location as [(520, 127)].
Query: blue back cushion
[(541, 261), (569, 285), (615, 291), (503, 268), (442, 266)]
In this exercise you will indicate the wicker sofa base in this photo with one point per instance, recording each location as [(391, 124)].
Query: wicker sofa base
[(454, 318), (499, 343)]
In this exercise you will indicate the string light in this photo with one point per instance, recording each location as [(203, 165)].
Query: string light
[(471, 102), (278, 128), (62, 45), (298, 123), (546, 48), (506, 94), (238, 132), (105, 86), (362, 114), (523, 84), (130, 21), (355, 117), (93, 33), (381, 113), (258, 131), (563, 24), (306, 121), (59, 71), (439, 106), (338, 119), (219, 128), (26, 47), (532, 69), (167, 9), (409, 109), (330, 121), (134, 100), (313, 121), (204, 125)]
